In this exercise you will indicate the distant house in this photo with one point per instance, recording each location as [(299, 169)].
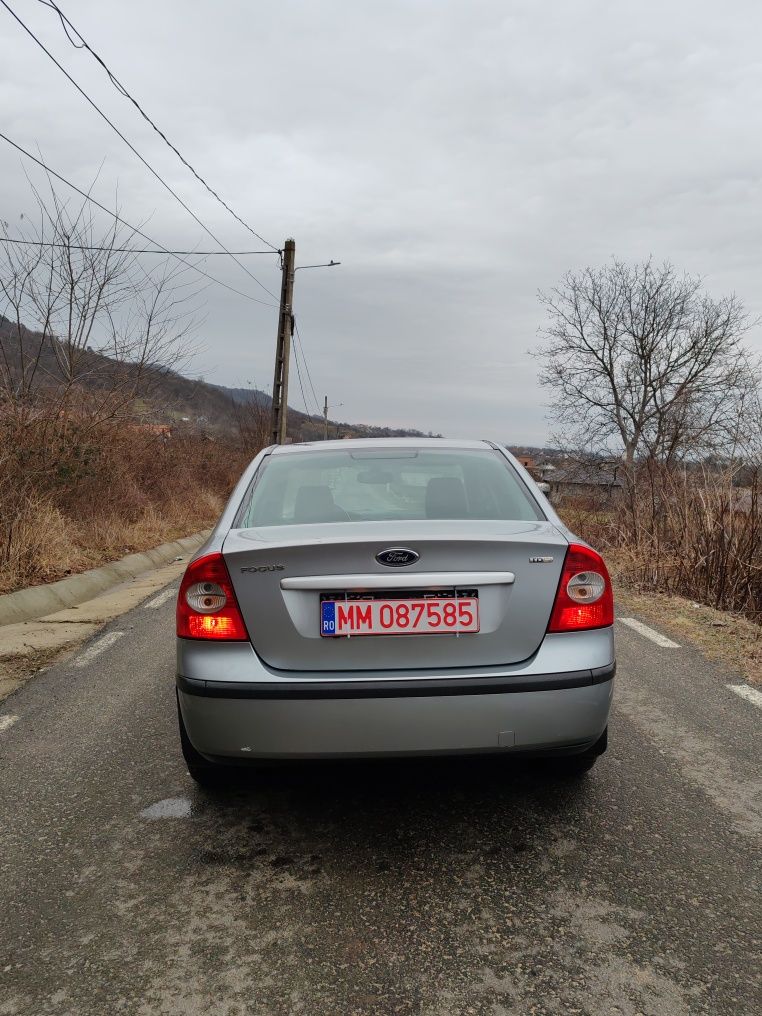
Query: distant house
[(544, 469), (586, 479)]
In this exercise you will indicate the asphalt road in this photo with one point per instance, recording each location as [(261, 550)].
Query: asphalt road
[(438, 888)]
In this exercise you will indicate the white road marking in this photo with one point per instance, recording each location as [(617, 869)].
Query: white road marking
[(98, 647), (161, 599), (649, 633), (7, 721), (750, 694)]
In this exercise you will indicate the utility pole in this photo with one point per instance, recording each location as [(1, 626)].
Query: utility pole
[(326, 407), (283, 347)]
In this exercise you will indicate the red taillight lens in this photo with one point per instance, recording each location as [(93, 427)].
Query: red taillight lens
[(206, 604), (584, 599)]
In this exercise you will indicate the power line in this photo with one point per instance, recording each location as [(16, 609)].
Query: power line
[(306, 365), (83, 44), (132, 148), (299, 350), (131, 250), (301, 386), (133, 229)]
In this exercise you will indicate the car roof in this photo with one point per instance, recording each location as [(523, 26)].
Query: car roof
[(350, 444)]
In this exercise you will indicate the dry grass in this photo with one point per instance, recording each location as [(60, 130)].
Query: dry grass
[(726, 638), (51, 546), (82, 505), (694, 533), (42, 544)]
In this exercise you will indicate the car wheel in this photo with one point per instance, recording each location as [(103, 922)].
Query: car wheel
[(205, 773), (574, 766)]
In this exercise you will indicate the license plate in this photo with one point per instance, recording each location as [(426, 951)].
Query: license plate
[(429, 616)]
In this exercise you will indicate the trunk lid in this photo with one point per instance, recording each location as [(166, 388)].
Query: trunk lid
[(284, 623)]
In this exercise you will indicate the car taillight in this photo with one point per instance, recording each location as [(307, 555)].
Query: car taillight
[(206, 604), (584, 598)]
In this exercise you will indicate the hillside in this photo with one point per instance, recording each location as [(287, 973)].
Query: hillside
[(169, 397)]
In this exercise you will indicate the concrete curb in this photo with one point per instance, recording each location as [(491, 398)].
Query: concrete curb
[(38, 601)]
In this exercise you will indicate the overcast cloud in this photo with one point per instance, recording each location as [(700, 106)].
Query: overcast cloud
[(454, 156)]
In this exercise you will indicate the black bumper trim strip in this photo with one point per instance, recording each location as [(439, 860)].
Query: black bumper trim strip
[(412, 687), (601, 674)]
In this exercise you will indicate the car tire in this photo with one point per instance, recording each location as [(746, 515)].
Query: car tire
[(574, 766), (201, 770)]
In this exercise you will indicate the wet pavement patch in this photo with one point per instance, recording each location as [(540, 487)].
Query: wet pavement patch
[(170, 807)]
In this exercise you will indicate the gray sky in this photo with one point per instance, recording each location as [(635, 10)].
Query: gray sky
[(455, 156)]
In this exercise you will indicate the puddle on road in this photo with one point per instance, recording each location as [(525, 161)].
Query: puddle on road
[(171, 807)]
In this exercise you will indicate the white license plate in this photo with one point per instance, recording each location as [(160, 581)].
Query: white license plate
[(430, 616)]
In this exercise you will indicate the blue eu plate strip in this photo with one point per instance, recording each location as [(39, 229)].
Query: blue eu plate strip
[(328, 617)]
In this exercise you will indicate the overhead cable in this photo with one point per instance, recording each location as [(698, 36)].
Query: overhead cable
[(301, 386), (81, 43), (306, 366), (133, 229), (132, 148), (130, 250)]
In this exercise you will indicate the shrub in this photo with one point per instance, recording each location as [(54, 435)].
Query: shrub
[(695, 531), (73, 495)]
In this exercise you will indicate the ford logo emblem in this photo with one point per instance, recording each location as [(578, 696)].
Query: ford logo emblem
[(397, 557)]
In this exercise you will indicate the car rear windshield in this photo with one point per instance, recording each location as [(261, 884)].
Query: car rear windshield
[(385, 485)]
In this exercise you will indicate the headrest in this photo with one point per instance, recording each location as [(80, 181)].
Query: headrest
[(315, 504), (446, 498)]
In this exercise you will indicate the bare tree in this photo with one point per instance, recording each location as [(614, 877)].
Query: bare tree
[(641, 361), (85, 333), (252, 420), (645, 366), (84, 327)]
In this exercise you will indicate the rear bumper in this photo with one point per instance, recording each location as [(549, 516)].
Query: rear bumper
[(247, 728), (269, 715)]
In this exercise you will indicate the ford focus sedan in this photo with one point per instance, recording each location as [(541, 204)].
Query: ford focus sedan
[(400, 597)]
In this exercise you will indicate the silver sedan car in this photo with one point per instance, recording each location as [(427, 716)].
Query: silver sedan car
[(392, 597)]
